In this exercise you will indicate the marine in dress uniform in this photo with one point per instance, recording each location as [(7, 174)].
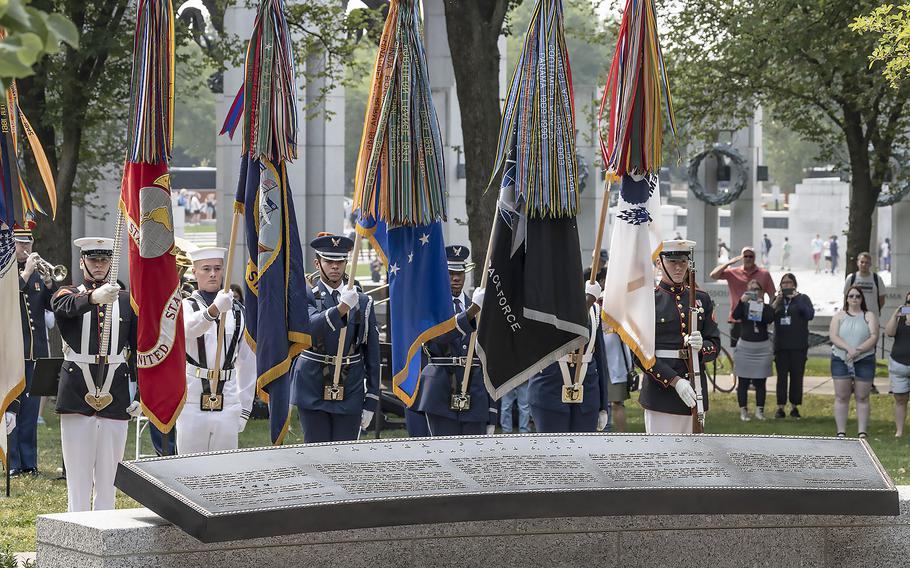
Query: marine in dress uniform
[(555, 402), (34, 298), (204, 424), (94, 412), (440, 396), (666, 392), (330, 412)]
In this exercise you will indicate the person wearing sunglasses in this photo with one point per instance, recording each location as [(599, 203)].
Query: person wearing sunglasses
[(737, 278), (853, 332)]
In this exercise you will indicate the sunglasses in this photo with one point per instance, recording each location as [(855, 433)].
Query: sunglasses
[(853, 297)]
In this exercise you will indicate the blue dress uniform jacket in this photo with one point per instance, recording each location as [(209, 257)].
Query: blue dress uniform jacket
[(361, 378), (672, 318), (438, 381), (71, 304), (34, 298), (545, 388)]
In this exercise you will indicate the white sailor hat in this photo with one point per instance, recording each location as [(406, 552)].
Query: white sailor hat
[(207, 253), (95, 246), (677, 248)]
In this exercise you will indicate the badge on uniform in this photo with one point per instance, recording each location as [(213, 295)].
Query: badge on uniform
[(333, 392), (211, 403), (460, 402), (572, 394)]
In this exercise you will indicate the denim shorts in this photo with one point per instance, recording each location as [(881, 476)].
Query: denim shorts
[(900, 377), (863, 370)]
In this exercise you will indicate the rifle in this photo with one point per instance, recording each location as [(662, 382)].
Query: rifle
[(698, 413)]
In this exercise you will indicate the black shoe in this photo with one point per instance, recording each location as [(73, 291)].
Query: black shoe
[(794, 413), (14, 472), (874, 389), (31, 472), (780, 413)]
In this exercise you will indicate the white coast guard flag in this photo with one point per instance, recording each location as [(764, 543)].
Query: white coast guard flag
[(12, 362), (628, 299)]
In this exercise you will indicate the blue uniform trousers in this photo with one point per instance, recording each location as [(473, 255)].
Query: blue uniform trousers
[(23, 440), (416, 423), (442, 426), (321, 426), (158, 440), (550, 422)]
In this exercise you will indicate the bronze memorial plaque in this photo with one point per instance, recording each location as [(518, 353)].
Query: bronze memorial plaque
[(293, 489)]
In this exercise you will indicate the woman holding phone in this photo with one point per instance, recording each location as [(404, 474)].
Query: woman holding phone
[(898, 327), (753, 352), (853, 332), (792, 313)]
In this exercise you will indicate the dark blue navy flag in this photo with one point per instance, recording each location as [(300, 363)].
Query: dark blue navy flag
[(277, 316)]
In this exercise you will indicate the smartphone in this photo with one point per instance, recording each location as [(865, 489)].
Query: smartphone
[(752, 295), (905, 310), (788, 292)]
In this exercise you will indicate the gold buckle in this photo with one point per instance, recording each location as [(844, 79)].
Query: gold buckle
[(333, 392), (460, 402), (211, 402), (572, 394)]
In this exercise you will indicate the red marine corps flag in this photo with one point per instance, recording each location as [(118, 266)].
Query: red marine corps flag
[(145, 203)]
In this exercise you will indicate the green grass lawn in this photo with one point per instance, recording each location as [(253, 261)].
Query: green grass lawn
[(44, 494)]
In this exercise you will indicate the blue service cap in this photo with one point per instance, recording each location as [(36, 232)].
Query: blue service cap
[(457, 255), (332, 247)]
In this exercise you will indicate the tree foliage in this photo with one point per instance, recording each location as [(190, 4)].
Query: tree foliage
[(892, 26), (29, 34), (801, 61)]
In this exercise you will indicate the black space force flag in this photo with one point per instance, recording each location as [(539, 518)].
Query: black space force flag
[(534, 308)]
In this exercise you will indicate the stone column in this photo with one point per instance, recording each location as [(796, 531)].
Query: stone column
[(701, 221), (592, 195), (746, 212), (900, 253)]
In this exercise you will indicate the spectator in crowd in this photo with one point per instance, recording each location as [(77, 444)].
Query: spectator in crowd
[(765, 250), (517, 396), (792, 312), (826, 246), (195, 208), (238, 292), (898, 327), (853, 332), (187, 206), (785, 254), (210, 206), (886, 255), (817, 247), (869, 282), (722, 248), (753, 353), (621, 369), (375, 269), (737, 279), (835, 256)]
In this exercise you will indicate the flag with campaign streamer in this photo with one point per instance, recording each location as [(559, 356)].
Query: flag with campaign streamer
[(145, 203), (277, 316), (18, 205), (399, 192), (633, 101), (535, 308)]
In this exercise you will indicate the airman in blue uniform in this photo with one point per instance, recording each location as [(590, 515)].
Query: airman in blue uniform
[(449, 410), (559, 402), (329, 410)]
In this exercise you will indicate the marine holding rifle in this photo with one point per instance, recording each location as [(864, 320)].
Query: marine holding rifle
[(667, 392), (93, 398), (337, 398)]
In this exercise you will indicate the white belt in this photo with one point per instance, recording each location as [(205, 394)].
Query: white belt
[(203, 373), (671, 354), (329, 359), (72, 356), (575, 359), (579, 359)]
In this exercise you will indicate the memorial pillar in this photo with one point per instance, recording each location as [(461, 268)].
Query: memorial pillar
[(589, 182), (701, 221), (900, 250), (746, 212)]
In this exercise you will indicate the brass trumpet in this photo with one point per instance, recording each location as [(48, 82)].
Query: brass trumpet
[(49, 271)]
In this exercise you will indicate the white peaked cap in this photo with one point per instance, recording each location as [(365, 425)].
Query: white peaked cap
[(95, 243), (208, 253)]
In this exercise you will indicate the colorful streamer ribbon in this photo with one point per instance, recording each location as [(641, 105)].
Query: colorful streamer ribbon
[(400, 170), (540, 109)]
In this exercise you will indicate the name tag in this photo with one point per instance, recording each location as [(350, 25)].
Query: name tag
[(784, 320)]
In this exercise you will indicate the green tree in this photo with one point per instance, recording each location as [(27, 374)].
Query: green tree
[(892, 26), (800, 60), (29, 34), (787, 154)]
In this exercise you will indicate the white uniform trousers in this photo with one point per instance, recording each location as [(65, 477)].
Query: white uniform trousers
[(92, 448), (204, 431), (664, 423)]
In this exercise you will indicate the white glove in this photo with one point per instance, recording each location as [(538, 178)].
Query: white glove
[(134, 409), (477, 297), (694, 340), (241, 426), (10, 422), (350, 297), (365, 419), (491, 429), (593, 289), (106, 294), (31, 263), (686, 392), (602, 419), (223, 301)]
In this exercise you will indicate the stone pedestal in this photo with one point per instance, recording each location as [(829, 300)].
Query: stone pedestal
[(136, 537), (746, 212)]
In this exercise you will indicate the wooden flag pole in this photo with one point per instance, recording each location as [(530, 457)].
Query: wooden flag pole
[(215, 375), (342, 337), (483, 284)]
